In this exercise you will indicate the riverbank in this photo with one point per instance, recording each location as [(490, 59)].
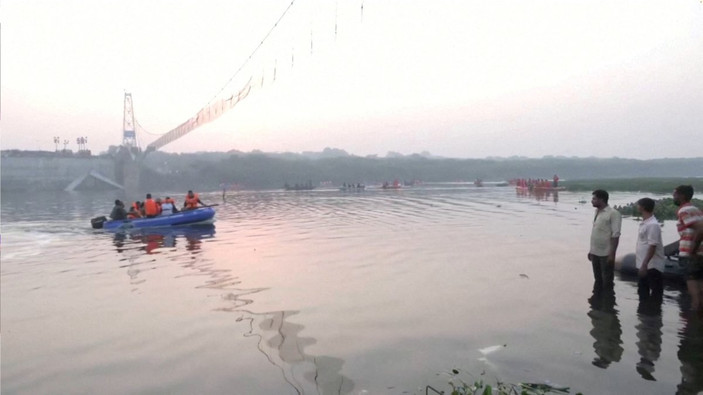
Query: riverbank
[(644, 185)]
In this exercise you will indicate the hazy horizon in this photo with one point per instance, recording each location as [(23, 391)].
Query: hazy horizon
[(459, 79), (389, 154)]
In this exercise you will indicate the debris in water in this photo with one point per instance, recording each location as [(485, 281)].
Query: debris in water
[(491, 349)]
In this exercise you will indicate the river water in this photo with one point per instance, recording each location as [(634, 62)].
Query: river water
[(331, 292)]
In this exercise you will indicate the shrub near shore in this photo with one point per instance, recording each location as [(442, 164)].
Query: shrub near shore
[(664, 209), (651, 185)]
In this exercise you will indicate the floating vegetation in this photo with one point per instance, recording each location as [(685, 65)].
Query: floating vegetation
[(461, 386), (664, 209), (645, 185)]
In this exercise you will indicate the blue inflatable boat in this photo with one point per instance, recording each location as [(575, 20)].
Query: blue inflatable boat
[(199, 216), (673, 268)]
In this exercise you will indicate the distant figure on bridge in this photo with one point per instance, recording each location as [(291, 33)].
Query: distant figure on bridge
[(192, 201), (118, 212)]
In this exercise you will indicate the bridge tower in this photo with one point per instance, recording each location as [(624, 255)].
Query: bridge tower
[(129, 135), (127, 166)]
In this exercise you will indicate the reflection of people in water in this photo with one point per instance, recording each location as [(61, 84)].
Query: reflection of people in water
[(152, 242), (691, 353), (649, 334), (119, 241), (193, 243), (606, 327)]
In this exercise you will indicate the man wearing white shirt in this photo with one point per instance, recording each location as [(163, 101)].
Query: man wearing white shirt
[(605, 236), (649, 253)]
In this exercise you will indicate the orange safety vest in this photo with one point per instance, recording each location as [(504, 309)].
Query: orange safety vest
[(150, 207), (133, 215), (192, 202)]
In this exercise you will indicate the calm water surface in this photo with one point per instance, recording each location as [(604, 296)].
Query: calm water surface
[(329, 292)]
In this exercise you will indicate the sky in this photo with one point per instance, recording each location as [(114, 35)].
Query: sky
[(462, 79)]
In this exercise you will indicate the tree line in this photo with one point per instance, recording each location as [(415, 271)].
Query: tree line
[(259, 170)]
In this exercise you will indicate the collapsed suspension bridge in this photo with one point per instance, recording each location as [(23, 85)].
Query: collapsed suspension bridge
[(130, 155)]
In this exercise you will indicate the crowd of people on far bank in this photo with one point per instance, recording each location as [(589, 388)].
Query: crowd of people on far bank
[(649, 252), (150, 207), (532, 183)]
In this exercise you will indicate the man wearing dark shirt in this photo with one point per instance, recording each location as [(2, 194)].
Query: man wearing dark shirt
[(118, 212)]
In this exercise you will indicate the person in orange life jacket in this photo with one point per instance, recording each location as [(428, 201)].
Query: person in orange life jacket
[(192, 201), (158, 205), (134, 212), (151, 209), (168, 206)]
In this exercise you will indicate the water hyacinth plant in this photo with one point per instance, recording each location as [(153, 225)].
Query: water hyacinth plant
[(472, 386), (664, 209)]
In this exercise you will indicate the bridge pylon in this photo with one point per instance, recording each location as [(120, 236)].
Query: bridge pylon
[(129, 134), (127, 166)]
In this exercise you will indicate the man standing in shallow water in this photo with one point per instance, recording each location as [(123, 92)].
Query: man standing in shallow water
[(605, 237), (649, 252), (690, 226)]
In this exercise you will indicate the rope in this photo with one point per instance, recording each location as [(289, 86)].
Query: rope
[(141, 129), (253, 52)]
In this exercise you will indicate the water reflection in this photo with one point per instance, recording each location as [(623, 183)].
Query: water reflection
[(690, 353), (280, 340), (649, 334), (156, 238), (281, 343), (607, 330), (539, 194)]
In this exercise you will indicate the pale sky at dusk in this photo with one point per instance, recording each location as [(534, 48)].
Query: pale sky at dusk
[(456, 78)]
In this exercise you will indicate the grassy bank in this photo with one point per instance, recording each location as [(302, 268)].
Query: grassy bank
[(664, 209), (651, 185)]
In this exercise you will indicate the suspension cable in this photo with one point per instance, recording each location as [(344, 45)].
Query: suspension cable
[(253, 52)]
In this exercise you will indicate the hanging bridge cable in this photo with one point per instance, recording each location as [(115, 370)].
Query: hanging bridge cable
[(254, 51), (142, 129)]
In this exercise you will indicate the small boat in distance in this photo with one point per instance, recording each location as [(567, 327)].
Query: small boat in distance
[(299, 187), (395, 185), (198, 216), (352, 187)]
